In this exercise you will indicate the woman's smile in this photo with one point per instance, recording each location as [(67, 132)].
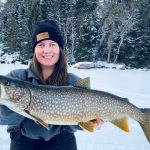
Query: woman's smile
[(47, 53), (48, 56)]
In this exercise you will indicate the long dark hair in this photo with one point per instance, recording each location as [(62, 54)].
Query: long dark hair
[(58, 77)]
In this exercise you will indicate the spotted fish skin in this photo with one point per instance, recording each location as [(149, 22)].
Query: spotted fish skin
[(72, 105), (68, 105)]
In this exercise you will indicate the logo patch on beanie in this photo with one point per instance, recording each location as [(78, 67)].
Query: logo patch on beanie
[(42, 36)]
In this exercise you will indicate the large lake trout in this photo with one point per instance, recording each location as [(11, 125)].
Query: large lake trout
[(69, 105)]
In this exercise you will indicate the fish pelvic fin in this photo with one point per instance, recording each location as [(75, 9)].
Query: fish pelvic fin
[(121, 123), (146, 124), (83, 83), (37, 120), (89, 126)]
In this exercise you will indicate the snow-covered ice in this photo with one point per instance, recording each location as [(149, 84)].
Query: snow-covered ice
[(132, 84)]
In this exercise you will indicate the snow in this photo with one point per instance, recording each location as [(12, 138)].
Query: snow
[(9, 59), (132, 84), (97, 64)]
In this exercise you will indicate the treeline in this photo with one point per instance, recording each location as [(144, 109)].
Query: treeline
[(109, 30)]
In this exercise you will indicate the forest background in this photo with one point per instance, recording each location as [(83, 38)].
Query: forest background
[(115, 31)]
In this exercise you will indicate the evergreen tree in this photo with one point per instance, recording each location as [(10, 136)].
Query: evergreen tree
[(18, 25), (87, 49), (46, 9), (111, 37), (1, 21), (136, 49)]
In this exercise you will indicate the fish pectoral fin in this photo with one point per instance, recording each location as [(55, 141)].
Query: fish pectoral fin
[(83, 83), (121, 123), (42, 123), (36, 119), (89, 126)]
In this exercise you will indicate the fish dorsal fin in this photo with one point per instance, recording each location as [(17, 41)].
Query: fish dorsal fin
[(122, 123), (89, 126), (83, 83), (36, 119)]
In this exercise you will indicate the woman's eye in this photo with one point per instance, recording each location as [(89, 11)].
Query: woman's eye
[(40, 45), (52, 45)]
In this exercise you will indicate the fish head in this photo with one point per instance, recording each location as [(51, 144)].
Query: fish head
[(10, 90)]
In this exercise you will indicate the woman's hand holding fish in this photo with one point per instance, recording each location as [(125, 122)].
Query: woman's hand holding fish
[(97, 123)]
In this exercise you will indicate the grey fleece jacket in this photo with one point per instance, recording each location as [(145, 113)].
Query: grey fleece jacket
[(27, 126)]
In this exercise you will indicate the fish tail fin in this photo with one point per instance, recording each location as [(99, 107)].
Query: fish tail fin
[(146, 124)]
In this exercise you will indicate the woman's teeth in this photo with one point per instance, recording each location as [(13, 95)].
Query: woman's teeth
[(47, 57)]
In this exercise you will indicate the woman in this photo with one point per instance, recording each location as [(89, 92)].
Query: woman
[(48, 66)]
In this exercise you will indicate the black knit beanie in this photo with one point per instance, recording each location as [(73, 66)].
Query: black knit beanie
[(47, 29)]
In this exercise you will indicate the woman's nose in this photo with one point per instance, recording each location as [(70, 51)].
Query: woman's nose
[(46, 49)]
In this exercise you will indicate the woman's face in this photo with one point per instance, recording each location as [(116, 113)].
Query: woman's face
[(47, 53)]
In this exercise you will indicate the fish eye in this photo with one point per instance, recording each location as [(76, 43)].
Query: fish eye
[(6, 83)]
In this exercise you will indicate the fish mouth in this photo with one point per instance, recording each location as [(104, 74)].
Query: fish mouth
[(1, 86), (0, 90), (0, 93)]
